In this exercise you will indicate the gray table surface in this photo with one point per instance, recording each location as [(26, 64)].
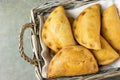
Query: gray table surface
[(13, 14)]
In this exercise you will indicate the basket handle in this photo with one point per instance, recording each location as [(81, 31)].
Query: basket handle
[(21, 48)]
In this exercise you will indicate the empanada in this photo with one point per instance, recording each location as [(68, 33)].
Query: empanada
[(71, 61), (56, 32), (106, 54), (111, 26), (86, 27)]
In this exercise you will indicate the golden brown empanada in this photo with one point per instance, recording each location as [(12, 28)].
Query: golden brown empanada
[(56, 32), (111, 26), (86, 27), (106, 54), (71, 61)]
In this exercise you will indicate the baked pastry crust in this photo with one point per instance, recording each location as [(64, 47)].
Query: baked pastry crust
[(111, 26), (86, 27), (71, 61), (56, 32), (106, 54)]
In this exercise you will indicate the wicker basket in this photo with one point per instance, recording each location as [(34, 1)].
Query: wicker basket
[(38, 16)]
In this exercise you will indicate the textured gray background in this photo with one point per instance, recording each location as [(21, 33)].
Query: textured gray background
[(13, 14)]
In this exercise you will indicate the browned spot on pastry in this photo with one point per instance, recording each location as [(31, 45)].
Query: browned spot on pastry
[(60, 52), (81, 51), (49, 19), (45, 27), (90, 8), (58, 48), (74, 27), (55, 11), (109, 40), (105, 29), (91, 45), (91, 60), (83, 61), (83, 13), (77, 18), (44, 36), (49, 44), (62, 21)]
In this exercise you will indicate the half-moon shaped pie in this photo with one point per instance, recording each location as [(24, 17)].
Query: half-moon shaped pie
[(86, 27), (71, 61), (106, 54), (111, 26), (56, 32)]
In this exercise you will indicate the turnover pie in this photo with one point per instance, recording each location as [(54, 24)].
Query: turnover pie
[(71, 61), (86, 27), (56, 32), (106, 54), (111, 26)]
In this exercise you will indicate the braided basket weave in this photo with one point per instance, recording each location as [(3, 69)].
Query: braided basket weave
[(38, 16)]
